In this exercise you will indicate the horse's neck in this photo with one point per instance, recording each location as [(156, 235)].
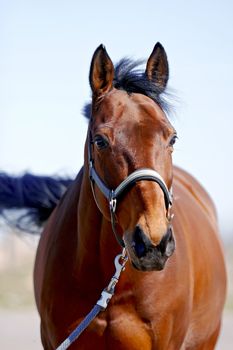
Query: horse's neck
[(97, 245)]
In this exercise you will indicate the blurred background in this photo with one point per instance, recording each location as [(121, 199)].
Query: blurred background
[(45, 53)]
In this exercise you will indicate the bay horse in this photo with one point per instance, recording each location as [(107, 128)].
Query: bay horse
[(172, 291)]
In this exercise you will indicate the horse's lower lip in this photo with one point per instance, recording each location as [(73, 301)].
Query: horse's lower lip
[(149, 265)]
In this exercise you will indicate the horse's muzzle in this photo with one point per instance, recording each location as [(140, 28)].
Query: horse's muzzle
[(150, 257)]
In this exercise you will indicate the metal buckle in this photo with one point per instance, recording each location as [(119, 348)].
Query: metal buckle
[(112, 203), (107, 293)]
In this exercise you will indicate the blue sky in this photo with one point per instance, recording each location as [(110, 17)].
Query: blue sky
[(46, 48)]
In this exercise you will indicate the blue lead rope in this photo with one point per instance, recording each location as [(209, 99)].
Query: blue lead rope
[(80, 328), (102, 303)]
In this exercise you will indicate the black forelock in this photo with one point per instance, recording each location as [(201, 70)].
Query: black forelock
[(130, 78)]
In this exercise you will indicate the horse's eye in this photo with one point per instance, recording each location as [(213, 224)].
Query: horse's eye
[(101, 142), (173, 140)]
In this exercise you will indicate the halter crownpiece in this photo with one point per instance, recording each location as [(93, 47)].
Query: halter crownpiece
[(113, 195)]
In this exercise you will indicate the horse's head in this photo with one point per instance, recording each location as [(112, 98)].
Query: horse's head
[(129, 131)]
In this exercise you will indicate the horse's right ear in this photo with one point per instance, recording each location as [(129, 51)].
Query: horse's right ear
[(101, 72)]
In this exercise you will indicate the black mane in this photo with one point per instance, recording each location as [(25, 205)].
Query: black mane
[(130, 78)]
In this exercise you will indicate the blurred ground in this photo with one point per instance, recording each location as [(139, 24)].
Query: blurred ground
[(19, 321)]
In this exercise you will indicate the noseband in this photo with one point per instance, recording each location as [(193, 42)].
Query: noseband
[(113, 195)]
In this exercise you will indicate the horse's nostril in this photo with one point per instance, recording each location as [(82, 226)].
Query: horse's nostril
[(140, 249), (139, 242), (161, 247), (167, 244)]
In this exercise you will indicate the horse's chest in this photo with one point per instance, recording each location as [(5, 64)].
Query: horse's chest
[(121, 330)]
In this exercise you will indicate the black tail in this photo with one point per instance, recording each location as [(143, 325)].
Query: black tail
[(34, 197)]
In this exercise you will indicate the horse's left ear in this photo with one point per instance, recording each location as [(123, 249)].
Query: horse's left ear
[(101, 72), (157, 69)]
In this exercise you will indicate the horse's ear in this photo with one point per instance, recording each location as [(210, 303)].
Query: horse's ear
[(157, 67), (101, 72)]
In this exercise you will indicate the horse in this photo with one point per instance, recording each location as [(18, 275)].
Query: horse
[(128, 195)]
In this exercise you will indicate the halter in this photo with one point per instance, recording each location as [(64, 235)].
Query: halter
[(113, 195)]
